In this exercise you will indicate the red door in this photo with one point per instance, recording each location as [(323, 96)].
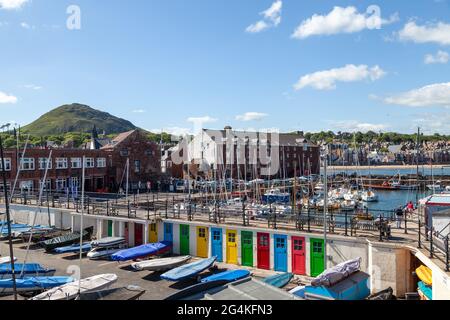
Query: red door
[(298, 255), (138, 234), (263, 251)]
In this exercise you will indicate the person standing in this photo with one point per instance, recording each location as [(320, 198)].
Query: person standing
[(399, 216)]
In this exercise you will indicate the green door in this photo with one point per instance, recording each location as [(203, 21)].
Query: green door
[(110, 228), (184, 239), (247, 248), (317, 257)]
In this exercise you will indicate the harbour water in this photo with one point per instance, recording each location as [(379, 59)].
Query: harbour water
[(390, 200), (424, 170)]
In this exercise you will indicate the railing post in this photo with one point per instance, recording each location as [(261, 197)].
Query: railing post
[(431, 242), (406, 222), (346, 226), (107, 208), (381, 228), (243, 213), (419, 236), (167, 208), (88, 201), (148, 208), (447, 258), (129, 209), (309, 221)]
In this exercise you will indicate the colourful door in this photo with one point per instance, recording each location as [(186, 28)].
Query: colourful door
[(298, 255), (184, 239), (202, 242), (247, 248), (138, 234), (280, 253), (232, 254), (317, 257), (216, 244), (263, 251), (168, 232), (153, 233), (110, 228)]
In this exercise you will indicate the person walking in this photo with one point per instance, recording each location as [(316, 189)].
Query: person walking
[(399, 216)]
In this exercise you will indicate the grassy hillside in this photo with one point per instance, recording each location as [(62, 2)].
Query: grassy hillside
[(77, 118)]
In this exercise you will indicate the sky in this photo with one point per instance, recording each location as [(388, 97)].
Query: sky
[(178, 65)]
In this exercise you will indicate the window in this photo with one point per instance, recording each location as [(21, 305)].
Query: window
[(201, 232), (137, 166), (280, 243), (44, 163), (75, 163), (167, 228), (27, 164), (264, 241), (74, 182), (26, 185), (149, 152), (61, 163), (101, 162), (231, 237), (7, 164), (60, 184), (124, 153), (317, 247), (153, 227), (216, 235), (90, 163), (298, 245), (247, 241)]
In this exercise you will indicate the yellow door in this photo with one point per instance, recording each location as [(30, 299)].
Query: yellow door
[(153, 233), (232, 253), (202, 242)]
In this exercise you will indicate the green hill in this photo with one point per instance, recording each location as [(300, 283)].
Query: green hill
[(77, 118)]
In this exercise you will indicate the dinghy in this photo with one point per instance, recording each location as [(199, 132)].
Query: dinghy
[(70, 291), (189, 270), (29, 270), (116, 294), (228, 276), (108, 242), (425, 290), (279, 280), (65, 240), (337, 273), (143, 251), (75, 248), (160, 264), (425, 275), (100, 253), (4, 260), (32, 284)]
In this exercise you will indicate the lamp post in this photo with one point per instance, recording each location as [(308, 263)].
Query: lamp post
[(324, 156)]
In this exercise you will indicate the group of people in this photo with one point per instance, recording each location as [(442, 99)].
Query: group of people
[(403, 211)]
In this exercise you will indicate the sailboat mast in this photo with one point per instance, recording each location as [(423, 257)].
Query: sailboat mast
[(325, 205), (128, 177), (81, 221), (417, 168)]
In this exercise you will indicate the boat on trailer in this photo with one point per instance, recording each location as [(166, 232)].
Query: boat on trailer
[(160, 264), (70, 291)]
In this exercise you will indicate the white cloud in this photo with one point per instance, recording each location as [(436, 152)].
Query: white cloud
[(205, 119), (272, 18), (431, 123), (326, 80), (340, 20), (251, 116), (32, 86), (25, 25), (12, 4), (355, 126), (176, 131), (437, 33), (5, 98), (439, 57), (437, 94), (139, 111)]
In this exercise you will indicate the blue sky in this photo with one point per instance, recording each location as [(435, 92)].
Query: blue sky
[(291, 64)]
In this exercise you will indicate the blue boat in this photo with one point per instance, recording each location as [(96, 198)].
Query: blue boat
[(188, 270), (229, 276), (426, 290), (29, 270), (86, 247), (142, 251), (279, 280), (30, 284), (14, 228), (276, 196)]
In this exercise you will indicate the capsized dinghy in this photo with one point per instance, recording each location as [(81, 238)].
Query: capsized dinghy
[(189, 270), (66, 240), (70, 291), (160, 264), (228, 276), (31, 284), (143, 251)]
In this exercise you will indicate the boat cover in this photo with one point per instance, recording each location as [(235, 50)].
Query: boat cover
[(74, 248), (230, 275), (65, 239), (29, 268), (337, 273), (142, 251), (36, 282), (188, 270)]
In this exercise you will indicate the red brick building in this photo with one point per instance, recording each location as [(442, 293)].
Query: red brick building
[(105, 168)]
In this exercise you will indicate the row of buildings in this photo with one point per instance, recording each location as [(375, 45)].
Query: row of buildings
[(132, 157)]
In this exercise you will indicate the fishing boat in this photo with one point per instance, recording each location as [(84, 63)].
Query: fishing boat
[(108, 242), (229, 276), (7, 259), (143, 251), (425, 275), (71, 290), (116, 294), (32, 284), (75, 248), (279, 280), (189, 270), (65, 240), (160, 264), (29, 270)]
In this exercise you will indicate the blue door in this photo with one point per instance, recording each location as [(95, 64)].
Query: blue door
[(280, 252), (168, 232), (216, 243)]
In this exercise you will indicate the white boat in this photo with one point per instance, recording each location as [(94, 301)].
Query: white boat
[(160, 264), (447, 189), (108, 242), (70, 291), (437, 187), (7, 259), (369, 196), (104, 252)]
